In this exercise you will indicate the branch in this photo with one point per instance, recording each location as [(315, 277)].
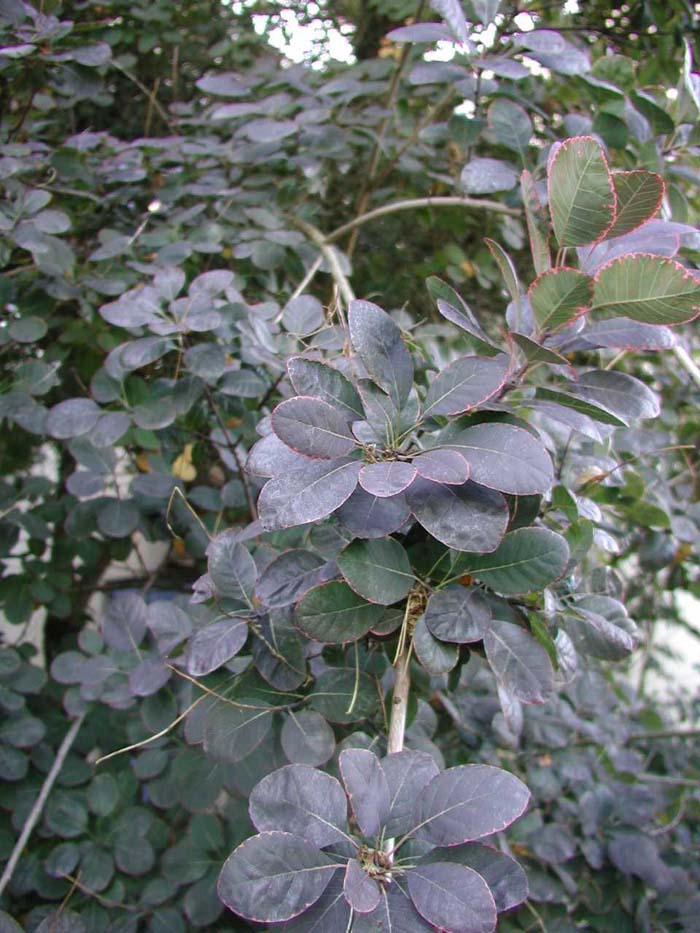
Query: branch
[(323, 243), (413, 203), (36, 810), (234, 453)]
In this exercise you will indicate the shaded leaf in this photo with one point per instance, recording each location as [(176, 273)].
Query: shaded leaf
[(519, 661), (367, 516), (336, 692), (506, 879), (511, 125), (72, 418), (124, 621), (231, 567), (435, 656), (233, 732), (458, 614), (311, 377), (407, 773), (307, 739), (333, 613), (487, 176), (466, 518), (288, 577)]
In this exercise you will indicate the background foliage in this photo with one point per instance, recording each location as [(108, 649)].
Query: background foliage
[(170, 183)]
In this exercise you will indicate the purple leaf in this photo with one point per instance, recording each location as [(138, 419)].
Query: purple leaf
[(377, 341), (148, 677), (312, 377), (625, 396), (487, 176), (504, 876), (452, 897), (231, 567), (330, 912), (519, 661), (367, 789), (466, 518), (458, 614), (420, 32), (466, 383), (214, 645), (273, 877), (271, 457), (288, 577), (307, 494), (468, 802), (361, 892), (367, 516), (124, 622), (437, 657), (394, 914), (453, 14), (505, 457), (407, 773), (307, 739), (313, 428), (442, 466), (387, 479), (621, 333), (301, 800), (72, 418)]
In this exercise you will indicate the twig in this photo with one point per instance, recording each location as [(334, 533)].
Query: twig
[(414, 203), (151, 738), (148, 94), (234, 453), (36, 810), (323, 243)]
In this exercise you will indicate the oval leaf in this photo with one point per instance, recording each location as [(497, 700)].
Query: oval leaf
[(648, 289), (378, 570), (387, 479), (466, 518), (581, 192), (366, 516), (519, 661), (301, 800), (377, 341), (526, 561), (311, 377), (313, 428), (442, 466), (214, 645), (307, 494), (465, 383), (361, 892), (458, 614), (639, 195), (334, 614), (452, 897), (273, 877), (504, 876), (467, 803), (505, 457), (559, 296), (407, 773), (367, 789)]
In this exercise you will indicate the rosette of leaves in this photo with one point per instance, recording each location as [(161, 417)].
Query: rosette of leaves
[(407, 856)]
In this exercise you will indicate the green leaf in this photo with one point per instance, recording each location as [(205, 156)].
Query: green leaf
[(436, 656), (580, 405), (378, 570), (649, 289), (333, 613), (511, 125), (526, 561), (581, 192), (559, 296), (639, 196), (341, 696)]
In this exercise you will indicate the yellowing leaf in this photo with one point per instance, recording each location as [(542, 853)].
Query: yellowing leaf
[(183, 466), (143, 463)]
